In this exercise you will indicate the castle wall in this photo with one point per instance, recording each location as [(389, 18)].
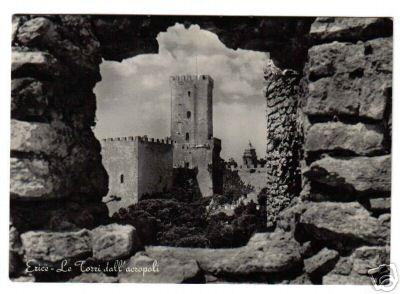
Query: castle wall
[(145, 165), (204, 158), (254, 176), (155, 167), (120, 158)]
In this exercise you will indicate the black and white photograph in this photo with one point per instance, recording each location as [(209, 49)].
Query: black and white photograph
[(201, 149)]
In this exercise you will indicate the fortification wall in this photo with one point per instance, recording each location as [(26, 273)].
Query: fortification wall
[(254, 177), (135, 166), (345, 113), (155, 166), (120, 157), (347, 108)]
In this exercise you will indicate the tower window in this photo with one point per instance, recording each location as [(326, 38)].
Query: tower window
[(189, 93), (187, 136), (186, 164), (121, 179), (188, 114)]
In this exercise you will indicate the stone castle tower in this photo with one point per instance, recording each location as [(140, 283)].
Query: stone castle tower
[(192, 129)]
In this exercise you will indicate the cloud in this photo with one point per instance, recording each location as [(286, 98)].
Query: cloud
[(133, 97)]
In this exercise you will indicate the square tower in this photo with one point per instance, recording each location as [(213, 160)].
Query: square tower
[(192, 128), (192, 122)]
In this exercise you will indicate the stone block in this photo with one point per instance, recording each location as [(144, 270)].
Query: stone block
[(350, 79), (79, 51), (362, 139), (51, 247), (114, 241), (344, 266), (29, 97), (321, 263), (343, 225), (41, 138), (353, 174), (266, 254), (34, 179), (35, 64)]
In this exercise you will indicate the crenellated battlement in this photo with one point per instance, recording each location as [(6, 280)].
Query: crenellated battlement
[(141, 139), (190, 78)]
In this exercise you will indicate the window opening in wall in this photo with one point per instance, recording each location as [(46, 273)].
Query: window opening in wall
[(121, 179), (187, 136)]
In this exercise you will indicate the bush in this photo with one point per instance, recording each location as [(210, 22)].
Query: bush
[(233, 187), (180, 217)]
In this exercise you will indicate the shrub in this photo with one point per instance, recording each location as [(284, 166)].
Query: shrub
[(233, 187), (180, 217)]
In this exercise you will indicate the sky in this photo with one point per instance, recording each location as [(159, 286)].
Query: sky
[(133, 97)]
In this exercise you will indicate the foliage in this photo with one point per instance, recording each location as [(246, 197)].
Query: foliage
[(181, 217), (233, 188)]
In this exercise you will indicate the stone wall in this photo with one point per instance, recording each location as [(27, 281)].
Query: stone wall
[(135, 166), (347, 107), (283, 140), (346, 114), (328, 99), (120, 158), (56, 169), (155, 167)]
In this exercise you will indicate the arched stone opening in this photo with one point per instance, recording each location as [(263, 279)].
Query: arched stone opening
[(56, 65)]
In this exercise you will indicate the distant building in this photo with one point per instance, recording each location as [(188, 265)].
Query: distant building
[(250, 156), (252, 171), (138, 165)]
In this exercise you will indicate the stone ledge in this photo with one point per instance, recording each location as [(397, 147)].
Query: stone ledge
[(353, 174), (362, 139), (35, 64), (34, 179), (325, 29), (343, 225), (41, 138)]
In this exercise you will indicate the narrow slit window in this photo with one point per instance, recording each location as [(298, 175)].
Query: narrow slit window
[(121, 179), (187, 136), (188, 114), (189, 93)]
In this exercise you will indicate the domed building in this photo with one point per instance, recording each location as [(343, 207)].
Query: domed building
[(250, 156)]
